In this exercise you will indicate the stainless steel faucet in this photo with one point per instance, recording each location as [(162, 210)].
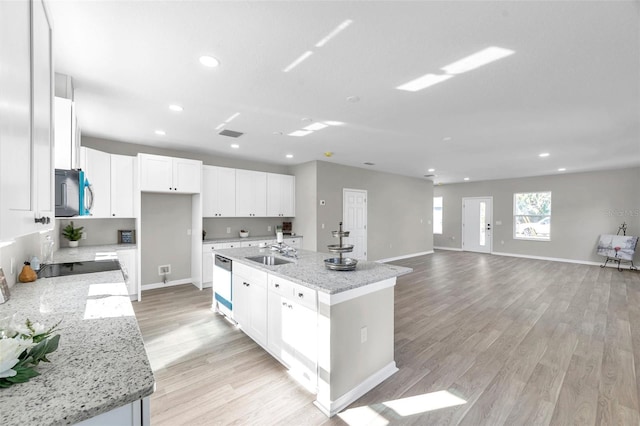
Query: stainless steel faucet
[(285, 250)]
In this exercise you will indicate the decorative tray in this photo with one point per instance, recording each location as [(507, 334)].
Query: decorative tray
[(341, 264), (337, 248)]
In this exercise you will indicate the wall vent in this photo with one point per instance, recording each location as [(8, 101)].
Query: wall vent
[(231, 133), (428, 176)]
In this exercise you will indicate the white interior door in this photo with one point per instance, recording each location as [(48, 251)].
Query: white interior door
[(477, 220), (354, 220)]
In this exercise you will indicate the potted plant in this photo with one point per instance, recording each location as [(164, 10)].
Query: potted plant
[(72, 234)]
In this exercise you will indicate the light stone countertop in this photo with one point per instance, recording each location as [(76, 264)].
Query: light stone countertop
[(100, 364), (250, 238), (309, 269), (85, 253)]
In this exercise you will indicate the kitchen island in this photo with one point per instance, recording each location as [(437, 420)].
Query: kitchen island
[(334, 330), (100, 367)]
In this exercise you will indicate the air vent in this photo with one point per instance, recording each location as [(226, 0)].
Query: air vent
[(231, 133)]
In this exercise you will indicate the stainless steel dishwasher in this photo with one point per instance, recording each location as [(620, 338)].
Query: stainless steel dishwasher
[(222, 293)]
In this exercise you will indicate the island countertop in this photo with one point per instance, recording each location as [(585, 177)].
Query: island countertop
[(100, 364), (309, 269)]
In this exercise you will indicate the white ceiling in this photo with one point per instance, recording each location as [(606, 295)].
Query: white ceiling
[(572, 88)]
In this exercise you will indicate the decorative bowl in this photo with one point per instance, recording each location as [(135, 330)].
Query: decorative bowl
[(243, 234)]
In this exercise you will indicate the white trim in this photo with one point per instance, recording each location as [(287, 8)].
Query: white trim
[(560, 259), (334, 407), (168, 284), (404, 256), (448, 248), (334, 299)]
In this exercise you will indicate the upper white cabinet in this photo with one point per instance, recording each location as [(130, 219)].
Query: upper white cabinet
[(167, 174), (122, 185), (218, 191), (26, 153), (251, 193), (66, 137), (281, 195), (112, 181)]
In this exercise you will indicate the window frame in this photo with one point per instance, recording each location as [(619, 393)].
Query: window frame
[(539, 217), (441, 215)]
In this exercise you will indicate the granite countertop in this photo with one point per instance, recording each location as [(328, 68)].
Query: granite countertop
[(250, 238), (85, 253), (100, 364), (309, 269)]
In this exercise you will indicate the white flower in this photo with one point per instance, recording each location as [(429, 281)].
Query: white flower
[(10, 350)]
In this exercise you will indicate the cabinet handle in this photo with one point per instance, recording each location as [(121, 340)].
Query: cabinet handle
[(301, 295), (113, 214), (246, 284), (284, 303), (42, 220), (290, 307), (277, 285)]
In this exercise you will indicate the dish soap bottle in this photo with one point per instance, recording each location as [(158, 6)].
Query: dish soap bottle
[(35, 263), (27, 274)]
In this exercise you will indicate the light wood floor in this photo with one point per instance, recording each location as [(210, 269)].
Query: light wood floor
[(522, 342)]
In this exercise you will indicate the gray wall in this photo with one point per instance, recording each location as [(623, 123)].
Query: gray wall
[(258, 226), (306, 219), (166, 218), (399, 209), (583, 206), (96, 231)]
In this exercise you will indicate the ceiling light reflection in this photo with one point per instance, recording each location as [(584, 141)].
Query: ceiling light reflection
[(337, 30), (423, 82), (298, 61), (300, 133), (316, 126), (477, 60)]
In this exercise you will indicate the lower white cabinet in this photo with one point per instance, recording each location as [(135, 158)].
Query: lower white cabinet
[(137, 413), (207, 260), (127, 259), (250, 301), (295, 242)]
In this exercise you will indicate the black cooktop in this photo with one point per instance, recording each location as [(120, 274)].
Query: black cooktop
[(75, 268)]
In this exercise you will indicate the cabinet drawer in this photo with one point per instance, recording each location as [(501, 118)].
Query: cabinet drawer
[(281, 286), (305, 296), (252, 275)]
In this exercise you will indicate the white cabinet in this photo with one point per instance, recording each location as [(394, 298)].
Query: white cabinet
[(122, 185), (250, 301), (112, 181), (26, 137), (207, 260), (251, 193), (127, 260), (292, 327), (167, 174), (218, 191), (66, 135), (295, 242), (280, 195)]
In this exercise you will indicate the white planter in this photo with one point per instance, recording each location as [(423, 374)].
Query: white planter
[(73, 244)]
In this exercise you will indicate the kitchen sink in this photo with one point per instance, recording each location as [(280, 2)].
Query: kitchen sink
[(268, 260)]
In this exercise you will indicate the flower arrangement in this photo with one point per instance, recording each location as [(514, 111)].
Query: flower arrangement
[(22, 348)]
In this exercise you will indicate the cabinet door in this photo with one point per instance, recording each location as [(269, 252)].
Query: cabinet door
[(280, 195), (156, 173), (187, 175), (218, 191), (127, 259), (240, 287), (16, 210), (258, 313), (98, 172), (293, 242), (305, 332), (63, 134), (122, 173), (251, 193)]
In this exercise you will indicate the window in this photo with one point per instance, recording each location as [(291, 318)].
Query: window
[(532, 216), (437, 215)]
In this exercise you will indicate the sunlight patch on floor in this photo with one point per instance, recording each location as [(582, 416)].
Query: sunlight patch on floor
[(423, 403), (362, 416)]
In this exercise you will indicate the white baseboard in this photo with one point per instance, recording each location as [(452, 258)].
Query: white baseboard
[(168, 284), (331, 408), (448, 248), (559, 259), (404, 256)]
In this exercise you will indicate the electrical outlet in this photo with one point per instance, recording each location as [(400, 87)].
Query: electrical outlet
[(84, 235), (322, 202), (228, 229), (13, 265), (323, 226), (269, 228), (164, 269), (363, 334)]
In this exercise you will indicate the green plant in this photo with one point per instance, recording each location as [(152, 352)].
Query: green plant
[(71, 233)]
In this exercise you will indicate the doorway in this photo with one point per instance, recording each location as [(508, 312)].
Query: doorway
[(477, 220), (354, 218)]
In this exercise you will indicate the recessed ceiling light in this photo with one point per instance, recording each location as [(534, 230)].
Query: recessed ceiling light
[(209, 61), (298, 61), (334, 123), (220, 126), (544, 154), (176, 108), (235, 146), (466, 178), (289, 156), (316, 126), (431, 170), (477, 60), (344, 24), (562, 169), (353, 99), (300, 133), (160, 132), (423, 82)]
